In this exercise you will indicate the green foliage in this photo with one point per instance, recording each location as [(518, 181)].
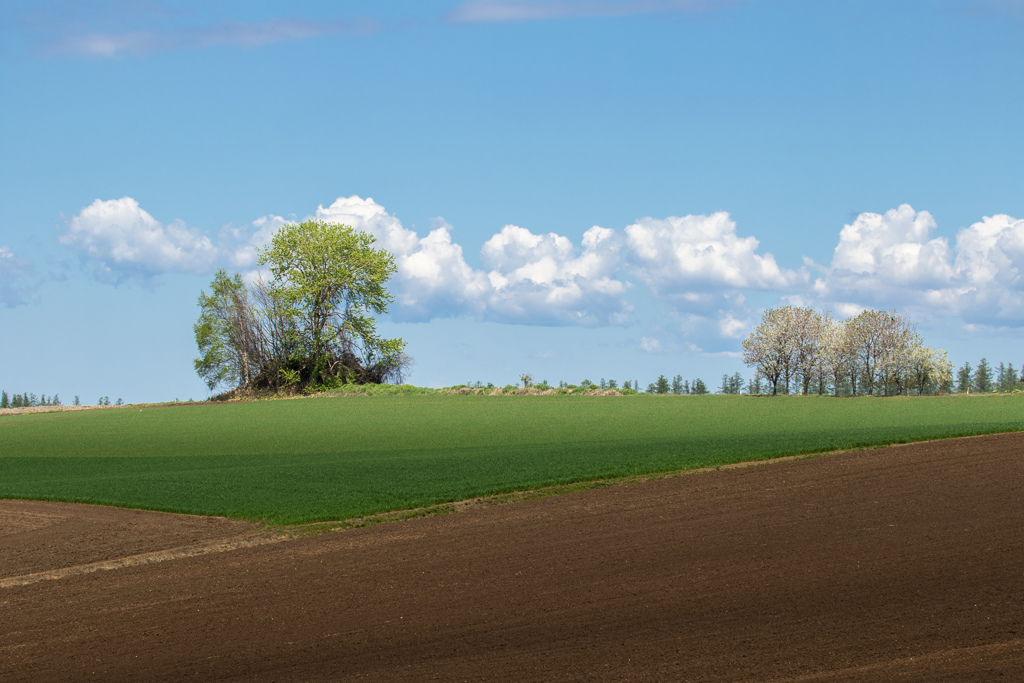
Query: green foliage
[(331, 458), (983, 377), (5, 400), (312, 326), (661, 386), (698, 387), (216, 334), (331, 279), (731, 384), (963, 378)]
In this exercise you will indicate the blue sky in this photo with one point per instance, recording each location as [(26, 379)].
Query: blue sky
[(573, 188)]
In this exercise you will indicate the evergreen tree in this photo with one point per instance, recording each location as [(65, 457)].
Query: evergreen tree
[(612, 384), (5, 401), (625, 385), (662, 386), (604, 383), (33, 400), (78, 401), (677, 384), (1007, 378), (651, 389), (699, 387), (736, 383), (724, 389), (963, 378), (983, 377)]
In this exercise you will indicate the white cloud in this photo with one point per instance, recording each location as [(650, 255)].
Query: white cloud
[(493, 11), (650, 345), (892, 259), (731, 327), (988, 271), (246, 253), (546, 279), (432, 278), (231, 33), (124, 241), (894, 249), (695, 261), (17, 278), (714, 332), (527, 278)]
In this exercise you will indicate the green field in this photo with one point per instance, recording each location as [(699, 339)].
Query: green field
[(333, 458)]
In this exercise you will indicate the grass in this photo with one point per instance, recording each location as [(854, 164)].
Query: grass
[(307, 460)]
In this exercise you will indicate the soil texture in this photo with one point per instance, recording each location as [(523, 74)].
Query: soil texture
[(42, 537), (904, 563)]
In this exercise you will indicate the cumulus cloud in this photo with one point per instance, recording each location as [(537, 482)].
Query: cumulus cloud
[(493, 11), (527, 278), (124, 241), (696, 263), (893, 259), (695, 260), (547, 279), (17, 278), (432, 278)]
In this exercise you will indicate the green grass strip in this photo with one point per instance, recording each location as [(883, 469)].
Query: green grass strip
[(307, 460)]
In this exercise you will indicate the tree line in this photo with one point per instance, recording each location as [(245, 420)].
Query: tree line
[(985, 379), (27, 400), (800, 350)]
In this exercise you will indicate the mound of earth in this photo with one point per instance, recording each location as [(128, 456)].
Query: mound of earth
[(898, 563)]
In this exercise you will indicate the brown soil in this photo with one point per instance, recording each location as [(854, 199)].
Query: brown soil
[(39, 537), (901, 563)]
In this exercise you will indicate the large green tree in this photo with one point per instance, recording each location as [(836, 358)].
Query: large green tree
[(313, 323), (330, 279)]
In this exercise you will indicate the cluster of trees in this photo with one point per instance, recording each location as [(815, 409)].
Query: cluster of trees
[(27, 400), (312, 324), (931, 377), (984, 379), (800, 350), (678, 386)]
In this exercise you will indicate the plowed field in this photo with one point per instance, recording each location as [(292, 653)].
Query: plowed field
[(900, 563)]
